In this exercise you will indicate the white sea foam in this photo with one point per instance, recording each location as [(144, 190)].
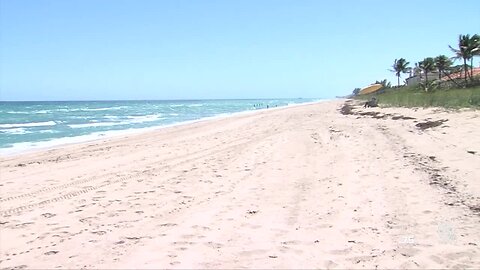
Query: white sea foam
[(34, 124), (132, 120), (15, 131), (104, 124), (144, 118), (102, 109), (48, 131), (89, 109), (42, 111), (18, 112), (99, 109)]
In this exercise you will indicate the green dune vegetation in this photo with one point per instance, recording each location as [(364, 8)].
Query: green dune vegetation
[(434, 81)]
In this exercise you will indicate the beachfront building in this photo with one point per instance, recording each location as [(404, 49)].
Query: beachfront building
[(417, 78)]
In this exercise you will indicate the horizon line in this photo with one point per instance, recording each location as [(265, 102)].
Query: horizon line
[(194, 99)]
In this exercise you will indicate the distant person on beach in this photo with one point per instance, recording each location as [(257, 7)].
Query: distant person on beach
[(373, 102)]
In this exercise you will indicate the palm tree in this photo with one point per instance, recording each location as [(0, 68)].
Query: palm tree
[(427, 65), (356, 91), (384, 83), (400, 66), (442, 63), (464, 51), (475, 50)]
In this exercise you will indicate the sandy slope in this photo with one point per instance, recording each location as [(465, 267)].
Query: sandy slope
[(301, 187)]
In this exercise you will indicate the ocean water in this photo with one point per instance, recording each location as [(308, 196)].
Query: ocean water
[(31, 125)]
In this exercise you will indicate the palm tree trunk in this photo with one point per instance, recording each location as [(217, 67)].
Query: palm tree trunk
[(465, 69), (426, 80), (471, 67), (398, 80), (452, 80)]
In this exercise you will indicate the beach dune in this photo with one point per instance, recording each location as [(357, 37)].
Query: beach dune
[(298, 187)]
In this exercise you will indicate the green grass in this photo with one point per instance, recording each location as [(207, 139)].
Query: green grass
[(415, 97)]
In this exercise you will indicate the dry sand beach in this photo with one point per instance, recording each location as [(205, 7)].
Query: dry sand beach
[(325, 185)]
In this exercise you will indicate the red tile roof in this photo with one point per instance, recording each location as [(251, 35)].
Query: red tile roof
[(461, 74)]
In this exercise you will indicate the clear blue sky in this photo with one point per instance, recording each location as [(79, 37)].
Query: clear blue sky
[(116, 49)]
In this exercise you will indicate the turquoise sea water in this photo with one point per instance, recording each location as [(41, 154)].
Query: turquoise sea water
[(31, 125)]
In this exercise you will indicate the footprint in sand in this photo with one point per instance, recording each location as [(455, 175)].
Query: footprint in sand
[(188, 236), (250, 253), (23, 266), (214, 245), (291, 242), (167, 225), (134, 238), (409, 265), (408, 251), (341, 251), (436, 259), (48, 215), (330, 264)]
